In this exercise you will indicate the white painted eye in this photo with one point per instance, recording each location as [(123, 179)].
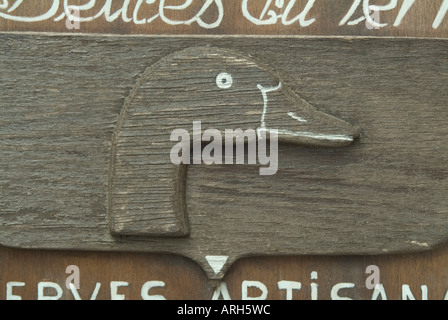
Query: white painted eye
[(224, 80)]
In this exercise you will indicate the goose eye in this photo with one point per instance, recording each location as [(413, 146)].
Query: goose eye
[(224, 80)]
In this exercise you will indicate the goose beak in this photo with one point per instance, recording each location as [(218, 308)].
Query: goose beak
[(296, 121)]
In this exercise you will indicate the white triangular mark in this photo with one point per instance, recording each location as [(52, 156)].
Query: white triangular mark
[(217, 262)]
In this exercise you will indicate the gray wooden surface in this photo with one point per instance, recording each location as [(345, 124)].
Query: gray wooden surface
[(61, 98), (201, 87)]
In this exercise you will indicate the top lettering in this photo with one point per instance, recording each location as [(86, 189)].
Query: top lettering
[(273, 12)]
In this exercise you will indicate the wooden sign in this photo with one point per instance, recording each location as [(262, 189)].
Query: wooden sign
[(422, 18), (91, 125)]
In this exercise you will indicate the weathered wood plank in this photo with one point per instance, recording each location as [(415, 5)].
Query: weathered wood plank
[(405, 18), (192, 90), (61, 98)]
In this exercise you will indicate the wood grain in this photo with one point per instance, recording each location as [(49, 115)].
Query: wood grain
[(182, 279), (183, 90), (182, 276), (384, 194), (329, 15)]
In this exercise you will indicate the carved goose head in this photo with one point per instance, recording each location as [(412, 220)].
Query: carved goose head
[(224, 90)]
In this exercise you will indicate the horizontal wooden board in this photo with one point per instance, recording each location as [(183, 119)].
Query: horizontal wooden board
[(61, 97), (403, 18)]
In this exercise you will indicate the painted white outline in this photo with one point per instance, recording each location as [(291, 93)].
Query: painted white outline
[(296, 117), (264, 93), (316, 136), (217, 262), (228, 83)]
